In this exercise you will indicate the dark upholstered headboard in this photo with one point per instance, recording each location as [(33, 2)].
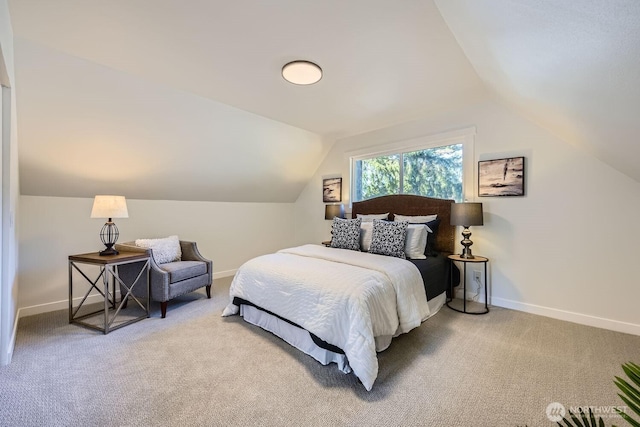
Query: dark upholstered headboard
[(406, 204)]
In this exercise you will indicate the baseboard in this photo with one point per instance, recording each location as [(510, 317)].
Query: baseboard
[(64, 304), (60, 305), (12, 343), (6, 358), (227, 273), (569, 316)]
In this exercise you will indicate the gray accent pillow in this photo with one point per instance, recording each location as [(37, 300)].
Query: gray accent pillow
[(389, 238), (345, 234)]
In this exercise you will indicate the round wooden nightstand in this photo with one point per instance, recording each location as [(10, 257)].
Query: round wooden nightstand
[(465, 261)]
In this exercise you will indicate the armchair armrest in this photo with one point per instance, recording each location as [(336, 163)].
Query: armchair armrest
[(190, 252)]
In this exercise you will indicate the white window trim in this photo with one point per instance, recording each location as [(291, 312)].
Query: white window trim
[(465, 136)]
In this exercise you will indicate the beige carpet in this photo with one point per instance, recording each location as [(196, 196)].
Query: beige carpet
[(197, 368)]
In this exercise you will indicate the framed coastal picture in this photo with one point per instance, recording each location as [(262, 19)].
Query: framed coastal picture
[(332, 190), (501, 177)]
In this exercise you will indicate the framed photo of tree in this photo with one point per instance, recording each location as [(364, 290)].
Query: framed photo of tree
[(501, 177), (332, 190)]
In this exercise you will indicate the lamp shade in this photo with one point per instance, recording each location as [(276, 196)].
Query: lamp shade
[(109, 207), (466, 214), (332, 211)]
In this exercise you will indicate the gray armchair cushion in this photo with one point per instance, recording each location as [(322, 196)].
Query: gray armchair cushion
[(183, 270)]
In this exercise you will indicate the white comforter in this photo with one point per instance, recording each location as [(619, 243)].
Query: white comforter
[(346, 298)]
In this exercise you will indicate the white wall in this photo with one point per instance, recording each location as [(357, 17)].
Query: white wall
[(52, 228), (565, 250), (10, 185)]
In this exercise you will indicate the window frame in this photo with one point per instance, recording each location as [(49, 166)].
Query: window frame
[(466, 137)]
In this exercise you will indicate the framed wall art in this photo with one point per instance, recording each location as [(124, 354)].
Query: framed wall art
[(501, 177), (332, 190)]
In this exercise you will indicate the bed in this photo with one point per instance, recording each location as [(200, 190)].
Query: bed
[(343, 306)]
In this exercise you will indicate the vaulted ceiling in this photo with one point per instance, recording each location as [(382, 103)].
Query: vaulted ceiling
[(183, 100), (571, 66)]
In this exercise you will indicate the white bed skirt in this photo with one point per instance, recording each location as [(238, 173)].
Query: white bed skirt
[(300, 338)]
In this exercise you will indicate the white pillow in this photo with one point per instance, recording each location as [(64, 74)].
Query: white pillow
[(416, 241), (164, 250), (366, 233), (415, 219), (371, 217)]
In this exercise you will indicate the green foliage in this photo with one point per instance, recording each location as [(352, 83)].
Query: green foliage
[(379, 176), (630, 393), (583, 421), (434, 172)]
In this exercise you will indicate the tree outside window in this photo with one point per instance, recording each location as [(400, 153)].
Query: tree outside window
[(433, 172)]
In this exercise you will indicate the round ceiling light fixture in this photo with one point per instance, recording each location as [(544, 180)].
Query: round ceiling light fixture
[(302, 72)]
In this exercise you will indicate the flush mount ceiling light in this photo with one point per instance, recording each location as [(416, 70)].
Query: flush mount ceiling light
[(301, 72)]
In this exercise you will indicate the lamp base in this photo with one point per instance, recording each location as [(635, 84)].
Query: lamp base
[(109, 236), (466, 253), (109, 251), (466, 244)]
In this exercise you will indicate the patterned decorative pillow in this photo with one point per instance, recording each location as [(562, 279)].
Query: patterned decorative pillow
[(164, 250), (345, 234), (389, 238)]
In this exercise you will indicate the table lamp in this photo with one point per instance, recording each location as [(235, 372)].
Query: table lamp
[(332, 211), (109, 207), (466, 215)]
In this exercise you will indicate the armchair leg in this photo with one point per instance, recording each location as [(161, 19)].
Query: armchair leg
[(208, 291), (163, 309)]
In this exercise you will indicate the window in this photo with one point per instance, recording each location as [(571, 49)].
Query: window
[(433, 172)]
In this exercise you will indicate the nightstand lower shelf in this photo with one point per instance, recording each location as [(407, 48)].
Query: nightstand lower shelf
[(465, 261)]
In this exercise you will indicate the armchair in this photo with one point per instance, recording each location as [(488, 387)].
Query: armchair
[(170, 279)]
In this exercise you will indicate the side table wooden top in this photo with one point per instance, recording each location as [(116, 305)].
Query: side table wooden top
[(476, 258), (96, 258)]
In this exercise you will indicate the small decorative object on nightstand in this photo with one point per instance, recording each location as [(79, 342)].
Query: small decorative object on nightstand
[(464, 261)]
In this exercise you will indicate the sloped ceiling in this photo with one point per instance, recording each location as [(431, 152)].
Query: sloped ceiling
[(571, 66), (183, 100)]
